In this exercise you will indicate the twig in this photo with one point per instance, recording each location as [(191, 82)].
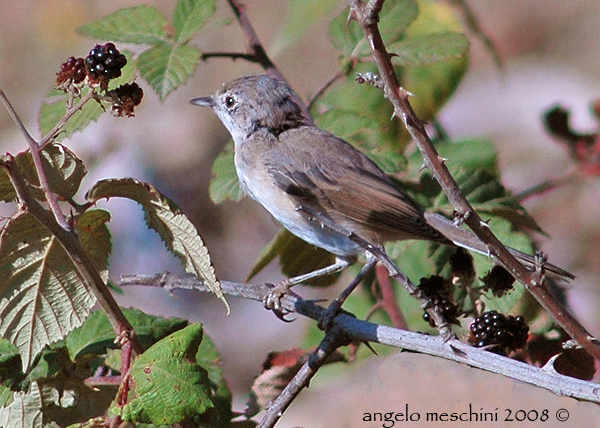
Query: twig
[(360, 330), (258, 52), (63, 120), (334, 338), (34, 148), (78, 255), (547, 185), (232, 55), (323, 88), (473, 24), (366, 14)]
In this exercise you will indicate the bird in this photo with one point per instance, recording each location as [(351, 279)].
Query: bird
[(300, 173)]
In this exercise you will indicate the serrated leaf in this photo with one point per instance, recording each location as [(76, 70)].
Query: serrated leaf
[(63, 169), (430, 48), (190, 16), (488, 195), (96, 335), (162, 215), (139, 25), (345, 123), (225, 183), (25, 411), (53, 110), (208, 358), (42, 297), (296, 257), (95, 238), (433, 84), (168, 384), (166, 67), (345, 35)]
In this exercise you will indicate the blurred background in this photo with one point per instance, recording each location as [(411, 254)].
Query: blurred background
[(550, 53)]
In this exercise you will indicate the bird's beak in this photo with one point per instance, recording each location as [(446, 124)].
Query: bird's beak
[(203, 101)]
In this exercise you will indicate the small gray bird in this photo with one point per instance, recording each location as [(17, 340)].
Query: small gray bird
[(284, 162)]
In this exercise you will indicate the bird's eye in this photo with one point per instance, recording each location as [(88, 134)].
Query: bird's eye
[(230, 102)]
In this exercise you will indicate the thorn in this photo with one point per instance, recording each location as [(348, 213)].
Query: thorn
[(442, 160), (423, 167)]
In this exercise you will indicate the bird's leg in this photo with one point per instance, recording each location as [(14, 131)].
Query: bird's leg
[(273, 300), (336, 304)]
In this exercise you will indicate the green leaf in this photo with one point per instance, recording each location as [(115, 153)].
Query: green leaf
[(190, 17), (138, 25), (25, 411), (166, 67), (6, 396), (345, 123), (54, 110), (395, 17), (96, 335), (345, 35), (488, 196), (208, 358), (472, 153), (301, 16), (10, 365), (296, 257), (225, 183), (169, 385), (162, 215), (42, 297), (95, 238), (433, 84), (430, 48)]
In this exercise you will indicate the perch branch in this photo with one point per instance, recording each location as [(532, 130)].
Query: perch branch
[(359, 330)]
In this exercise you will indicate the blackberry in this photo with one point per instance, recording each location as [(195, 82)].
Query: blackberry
[(104, 62), (498, 280), (126, 97), (72, 72), (438, 290), (498, 332), (446, 307)]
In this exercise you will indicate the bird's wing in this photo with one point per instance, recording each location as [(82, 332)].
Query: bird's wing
[(340, 181)]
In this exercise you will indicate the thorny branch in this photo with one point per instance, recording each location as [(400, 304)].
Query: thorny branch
[(367, 16), (359, 330)]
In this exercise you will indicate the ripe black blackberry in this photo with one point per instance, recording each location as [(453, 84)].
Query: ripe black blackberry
[(438, 290), (126, 97), (447, 308), (72, 72), (104, 62), (500, 333)]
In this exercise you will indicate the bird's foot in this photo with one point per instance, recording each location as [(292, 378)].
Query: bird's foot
[(273, 300)]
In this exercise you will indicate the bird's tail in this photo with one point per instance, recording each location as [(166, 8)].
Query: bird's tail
[(466, 239)]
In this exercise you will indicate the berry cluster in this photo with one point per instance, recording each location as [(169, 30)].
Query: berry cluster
[(500, 333), (104, 62), (73, 69), (438, 290), (125, 98)]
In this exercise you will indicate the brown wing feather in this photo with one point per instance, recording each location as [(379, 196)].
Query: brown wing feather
[(341, 181)]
